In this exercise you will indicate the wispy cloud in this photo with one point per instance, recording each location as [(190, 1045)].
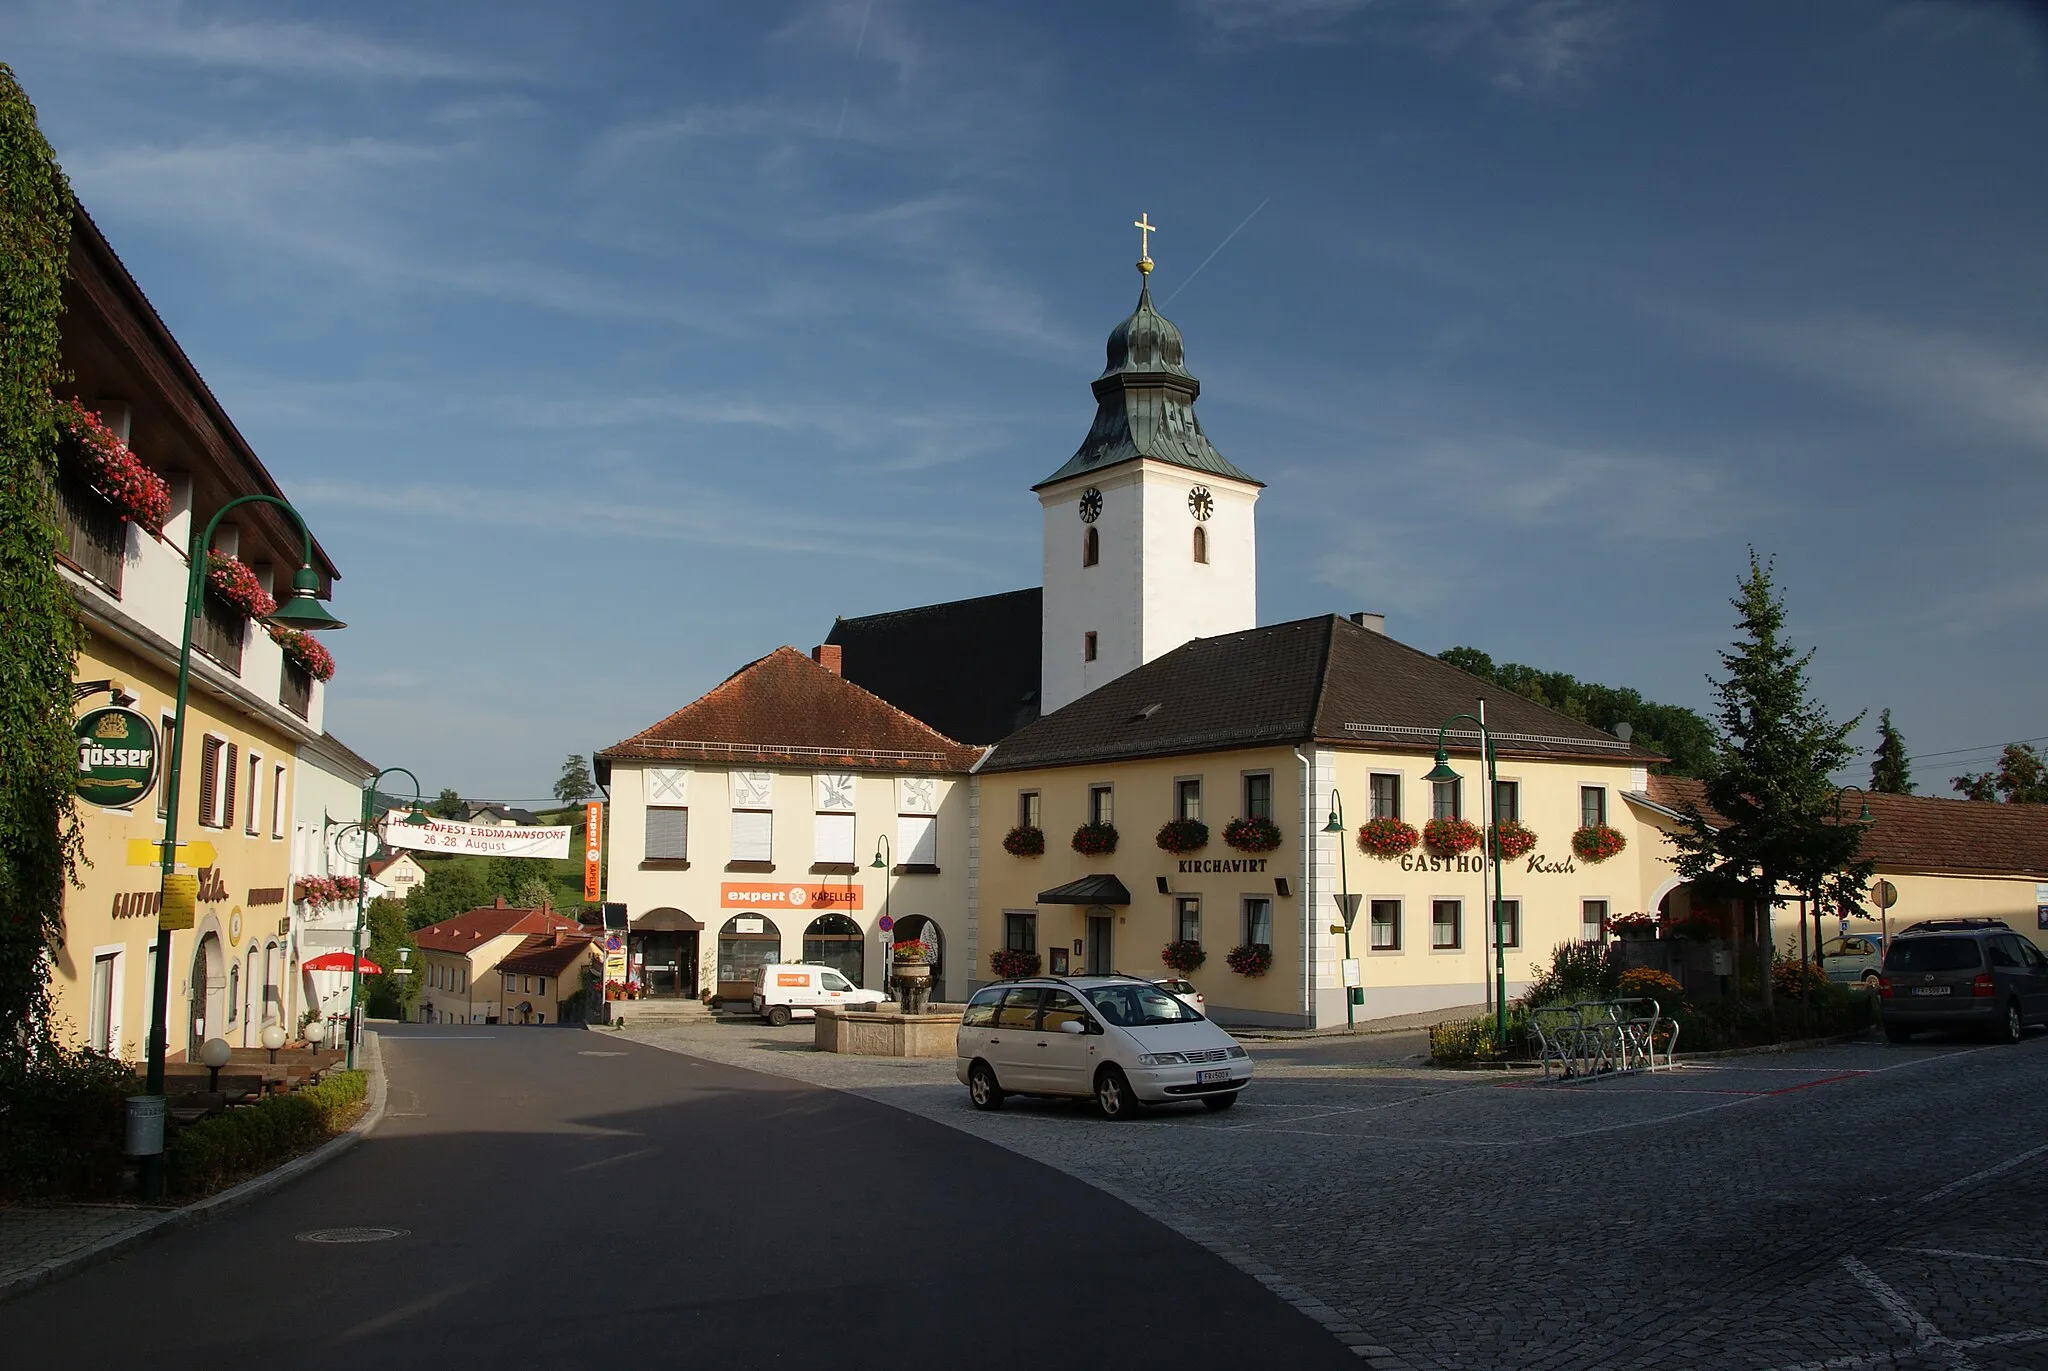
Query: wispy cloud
[(170, 29), (1521, 44)]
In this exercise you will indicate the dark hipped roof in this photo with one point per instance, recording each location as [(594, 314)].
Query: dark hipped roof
[(1920, 832), (969, 668), (785, 709), (1324, 680)]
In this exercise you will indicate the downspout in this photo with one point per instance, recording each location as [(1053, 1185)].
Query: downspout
[(1308, 901)]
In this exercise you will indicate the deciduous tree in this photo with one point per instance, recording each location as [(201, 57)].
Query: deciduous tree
[(2021, 778)]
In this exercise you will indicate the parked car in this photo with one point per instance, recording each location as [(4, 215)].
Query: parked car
[(794, 990), (1127, 1042), (1183, 989), (1853, 958), (1962, 973)]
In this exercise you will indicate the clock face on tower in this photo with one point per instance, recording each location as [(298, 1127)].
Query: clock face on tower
[(1201, 503), (1091, 505)]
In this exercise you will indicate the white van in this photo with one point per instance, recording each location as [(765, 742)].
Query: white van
[(794, 990)]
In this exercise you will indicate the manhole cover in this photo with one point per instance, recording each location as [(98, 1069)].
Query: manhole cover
[(346, 1235)]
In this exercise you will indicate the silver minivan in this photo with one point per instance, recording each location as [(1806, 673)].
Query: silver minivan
[(1124, 1041)]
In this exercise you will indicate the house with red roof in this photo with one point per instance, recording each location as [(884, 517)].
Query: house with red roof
[(460, 977)]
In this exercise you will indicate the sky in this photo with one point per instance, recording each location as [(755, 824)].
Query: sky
[(608, 347)]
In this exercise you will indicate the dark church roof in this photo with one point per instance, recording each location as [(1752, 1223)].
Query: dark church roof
[(968, 668), (1324, 680), (1145, 404)]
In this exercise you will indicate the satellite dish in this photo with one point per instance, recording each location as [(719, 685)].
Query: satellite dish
[(1624, 730), (356, 846)]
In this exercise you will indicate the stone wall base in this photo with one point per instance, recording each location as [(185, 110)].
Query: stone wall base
[(860, 1034)]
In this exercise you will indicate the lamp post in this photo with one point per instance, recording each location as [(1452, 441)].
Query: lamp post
[(417, 820), (882, 863), (302, 611), (1347, 904), (1866, 818), (1442, 772)]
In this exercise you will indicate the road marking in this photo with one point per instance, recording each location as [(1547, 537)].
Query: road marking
[(1986, 1174), (1972, 1256), (600, 1054), (403, 1312), (607, 1161), (445, 1038), (1892, 1302)]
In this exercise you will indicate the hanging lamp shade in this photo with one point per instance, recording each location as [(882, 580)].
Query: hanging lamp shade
[(303, 610)]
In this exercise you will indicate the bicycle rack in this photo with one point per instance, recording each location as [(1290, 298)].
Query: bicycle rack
[(1603, 1037)]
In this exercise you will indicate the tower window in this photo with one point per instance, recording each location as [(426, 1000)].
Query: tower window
[(1201, 543), (1091, 546), (1088, 642)]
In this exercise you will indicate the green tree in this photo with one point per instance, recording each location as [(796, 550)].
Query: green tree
[(574, 783), (1770, 784), (447, 805), (39, 837), (451, 888), (1891, 773), (387, 926), (2021, 778), (1677, 732)]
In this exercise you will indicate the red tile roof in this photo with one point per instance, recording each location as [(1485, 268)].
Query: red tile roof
[(1924, 832), (472, 929), (786, 709), (545, 956)]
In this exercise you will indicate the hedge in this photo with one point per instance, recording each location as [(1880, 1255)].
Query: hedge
[(203, 1156), (61, 1124)]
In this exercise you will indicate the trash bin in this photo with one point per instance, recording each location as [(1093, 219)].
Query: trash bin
[(145, 1126)]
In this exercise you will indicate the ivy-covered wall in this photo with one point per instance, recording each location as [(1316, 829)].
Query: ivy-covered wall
[(38, 631)]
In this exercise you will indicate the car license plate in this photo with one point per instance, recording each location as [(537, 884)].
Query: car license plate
[(1212, 1077), (1930, 990)]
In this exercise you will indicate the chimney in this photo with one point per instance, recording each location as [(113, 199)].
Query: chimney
[(827, 655), (1370, 622), (498, 902)]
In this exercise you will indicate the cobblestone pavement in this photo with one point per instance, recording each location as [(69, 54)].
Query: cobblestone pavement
[(31, 1239), (1857, 1206)]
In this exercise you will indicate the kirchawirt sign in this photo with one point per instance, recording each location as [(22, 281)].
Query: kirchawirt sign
[(483, 840), (117, 757)]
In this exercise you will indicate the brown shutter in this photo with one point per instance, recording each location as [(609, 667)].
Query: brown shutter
[(209, 774), (227, 803)]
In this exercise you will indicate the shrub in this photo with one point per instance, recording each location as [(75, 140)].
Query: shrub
[(1252, 835), (1009, 962), (1512, 839), (1024, 842), (1184, 955), (1464, 1042), (1095, 839), (62, 1120), (1791, 979), (1577, 971), (1250, 959), (1648, 983), (1183, 835), (206, 1155), (1449, 837), (1387, 839), (1597, 842)]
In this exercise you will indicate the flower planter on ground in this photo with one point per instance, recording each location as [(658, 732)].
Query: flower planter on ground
[(1597, 842), (1181, 836), (1095, 840), (1252, 835), (1449, 837), (1024, 842), (1387, 839)]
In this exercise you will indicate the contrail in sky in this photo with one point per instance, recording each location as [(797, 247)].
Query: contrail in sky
[(1212, 256), (858, 43)]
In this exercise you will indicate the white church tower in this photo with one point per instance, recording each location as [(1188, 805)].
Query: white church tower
[(1149, 537)]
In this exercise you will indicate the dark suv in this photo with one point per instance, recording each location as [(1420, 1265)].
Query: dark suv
[(1962, 973)]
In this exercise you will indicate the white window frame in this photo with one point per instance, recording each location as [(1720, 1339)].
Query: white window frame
[(277, 784), (255, 793), (1244, 905), (1102, 802), (1372, 794), (1597, 794), (1180, 796), (1372, 929), (647, 852), (1186, 907), (1457, 927), (1597, 931)]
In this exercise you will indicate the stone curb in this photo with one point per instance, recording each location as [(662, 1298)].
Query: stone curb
[(232, 1198)]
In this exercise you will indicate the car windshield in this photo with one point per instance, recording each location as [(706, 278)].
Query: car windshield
[(1139, 1006), (1932, 954)]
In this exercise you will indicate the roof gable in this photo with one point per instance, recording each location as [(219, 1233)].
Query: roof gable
[(969, 668), (473, 928)]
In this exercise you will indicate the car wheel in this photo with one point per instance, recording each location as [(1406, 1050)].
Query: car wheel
[(2014, 1026), (779, 1016), (1216, 1104), (1898, 1033), (1113, 1095), (982, 1089), (1870, 980)]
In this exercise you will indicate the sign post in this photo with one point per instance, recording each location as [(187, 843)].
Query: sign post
[(1884, 895)]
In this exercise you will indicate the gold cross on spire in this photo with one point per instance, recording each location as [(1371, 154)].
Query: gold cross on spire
[(1146, 228)]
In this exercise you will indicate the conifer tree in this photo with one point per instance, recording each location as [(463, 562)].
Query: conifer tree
[(1890, 773)]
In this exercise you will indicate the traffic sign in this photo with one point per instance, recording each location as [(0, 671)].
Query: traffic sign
[(1347, 905), (143, 852), (1884, 894), (886, 924)]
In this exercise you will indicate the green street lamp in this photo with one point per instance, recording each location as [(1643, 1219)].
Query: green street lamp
[(414, 819), (301, 610), (1347, 905), (1442, 772), (882, 863)]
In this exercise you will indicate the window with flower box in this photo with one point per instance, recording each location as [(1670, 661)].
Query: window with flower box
[(219, 631), (1386, 925), (1258, 795), (1101, 804), (1020, 932), (1507, 802), (1510, 923), (1592, 920), (1258, 921), (1187, 798), (1187, 918), (1447, 799), (1592, 806), (95, 536), (1386, 795), (1028, 809), (1446, 924)]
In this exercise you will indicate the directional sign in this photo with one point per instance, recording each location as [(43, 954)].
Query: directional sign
[(143, 852), (1347, 905)]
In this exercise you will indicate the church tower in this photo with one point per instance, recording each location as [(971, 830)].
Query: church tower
[(1149, 538)]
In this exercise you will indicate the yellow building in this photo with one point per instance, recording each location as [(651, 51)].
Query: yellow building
[(459, 977), (249, 708)]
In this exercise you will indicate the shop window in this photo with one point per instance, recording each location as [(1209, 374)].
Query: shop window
[(1593, 920), (1028, 809), (1507, 801), (668, 834), (1187, 918), (1258, 922), (1258, 795), (1592, 805), (1101, 804), (1386, 795), (1386, 925), (1187, 799), (1446, 924), (1446, 799)]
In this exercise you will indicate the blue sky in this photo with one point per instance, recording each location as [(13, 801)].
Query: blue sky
[(610, 346)]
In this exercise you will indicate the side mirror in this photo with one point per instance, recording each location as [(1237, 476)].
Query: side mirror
[(1073, 1026)]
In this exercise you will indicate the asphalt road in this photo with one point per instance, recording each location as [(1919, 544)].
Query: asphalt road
[(571, 1199)]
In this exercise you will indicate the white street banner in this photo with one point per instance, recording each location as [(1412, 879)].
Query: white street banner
[(483, 840)]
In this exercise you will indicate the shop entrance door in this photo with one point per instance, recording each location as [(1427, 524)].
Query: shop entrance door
[(1101, 960), (668, 965)]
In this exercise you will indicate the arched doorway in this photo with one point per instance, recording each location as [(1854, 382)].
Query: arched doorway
[(209, 990), (249, 997), (834, 940), (747, 941), (919, 928), (661, 953)]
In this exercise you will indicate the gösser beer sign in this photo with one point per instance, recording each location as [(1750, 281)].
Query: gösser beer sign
[(117, 757)]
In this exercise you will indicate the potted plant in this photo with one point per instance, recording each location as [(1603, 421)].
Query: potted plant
[(1250, 959), (1180, 836), (1387, 838), (1449, 837), (1252, 835), (1184, 955), (1597, 842), (1010, 962), (910, 952), (1024, 841), (1512, 839), (913, 975), (1634, 927), (137, 494), (1095, 839), (305, 651), (235, 585)]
